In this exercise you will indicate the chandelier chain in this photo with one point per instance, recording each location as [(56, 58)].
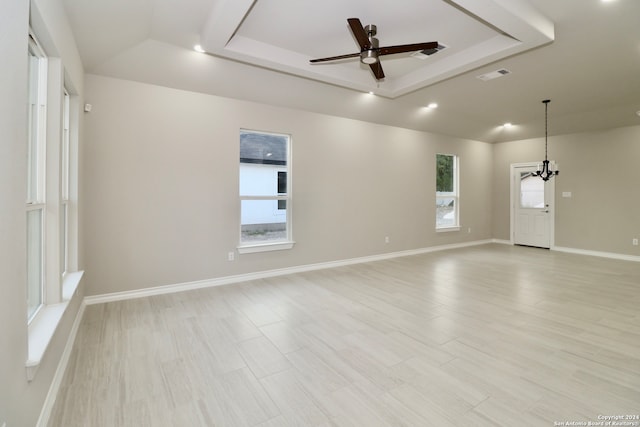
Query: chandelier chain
[(546, 131)]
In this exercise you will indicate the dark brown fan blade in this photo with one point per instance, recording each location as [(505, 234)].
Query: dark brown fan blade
[(358, 31), (389, 50), (376, 67), (334, 58)]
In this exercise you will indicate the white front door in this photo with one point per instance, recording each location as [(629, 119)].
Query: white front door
[(532, 204)]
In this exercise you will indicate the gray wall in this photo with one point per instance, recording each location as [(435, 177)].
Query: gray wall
[(601, 171), (161, 178), (22, 401), (13, 156)]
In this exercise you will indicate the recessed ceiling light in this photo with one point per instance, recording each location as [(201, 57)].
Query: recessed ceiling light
[(371, 93), (507, 125), (198, 48), (432, 105)]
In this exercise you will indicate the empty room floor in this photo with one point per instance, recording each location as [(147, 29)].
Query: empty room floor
[(491, 335)]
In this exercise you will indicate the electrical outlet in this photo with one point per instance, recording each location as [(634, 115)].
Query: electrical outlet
[(634, 242), (231, 256), (386, 239)]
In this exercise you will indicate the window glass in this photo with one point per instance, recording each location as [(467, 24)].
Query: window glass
[(36, 122), (531, 191), (264, 187), (446, 191), (34, 261), (445, 173), (66, 146), (263, 221), (446, 212)]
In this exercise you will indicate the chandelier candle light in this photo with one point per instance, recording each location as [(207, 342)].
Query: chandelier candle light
[(545, 172)]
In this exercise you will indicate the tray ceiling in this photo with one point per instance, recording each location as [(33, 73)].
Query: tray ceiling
[(285, 34)]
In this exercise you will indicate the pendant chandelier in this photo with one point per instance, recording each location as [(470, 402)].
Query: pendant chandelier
[(546, 170)]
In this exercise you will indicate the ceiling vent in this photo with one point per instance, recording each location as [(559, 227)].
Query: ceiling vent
[(494, 74), (424, 54)]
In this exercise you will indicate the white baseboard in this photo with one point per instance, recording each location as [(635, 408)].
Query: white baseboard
[(179, 287), (501, 241), (601, 254), (613, 255), (50, 400)]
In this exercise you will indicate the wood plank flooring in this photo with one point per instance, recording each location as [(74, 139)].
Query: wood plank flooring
[(492, 335)]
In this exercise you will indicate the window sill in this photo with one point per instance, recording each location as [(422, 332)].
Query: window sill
[(70, 284), (447, 229), (266, 247), (44, 325)]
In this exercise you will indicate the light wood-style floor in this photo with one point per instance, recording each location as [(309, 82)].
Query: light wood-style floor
[(492, 335)]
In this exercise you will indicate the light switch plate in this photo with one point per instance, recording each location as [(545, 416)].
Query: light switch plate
[(566, 194)]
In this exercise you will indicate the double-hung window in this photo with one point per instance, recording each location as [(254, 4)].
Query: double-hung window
[(51, 199), (35, 209), (447, 197), (265, 191)]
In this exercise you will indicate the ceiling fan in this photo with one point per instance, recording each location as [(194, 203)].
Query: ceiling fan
[(370, 52)]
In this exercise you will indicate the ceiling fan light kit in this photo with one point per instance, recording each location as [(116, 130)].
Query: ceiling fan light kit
[(370, 51), (370, 56)]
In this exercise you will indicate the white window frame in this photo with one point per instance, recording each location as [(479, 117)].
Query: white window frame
[(455, 194), (52, 189), (65, 165), (36, 177), (274, 245)]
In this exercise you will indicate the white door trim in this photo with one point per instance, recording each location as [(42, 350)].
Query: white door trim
[(550, 195)]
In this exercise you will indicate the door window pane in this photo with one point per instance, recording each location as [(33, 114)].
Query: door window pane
[(531, 191)]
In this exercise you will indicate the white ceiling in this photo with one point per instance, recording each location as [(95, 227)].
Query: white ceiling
[(285, 34), (582, 54)]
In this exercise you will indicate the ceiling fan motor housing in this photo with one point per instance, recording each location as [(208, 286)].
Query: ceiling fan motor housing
[(370, 56)]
